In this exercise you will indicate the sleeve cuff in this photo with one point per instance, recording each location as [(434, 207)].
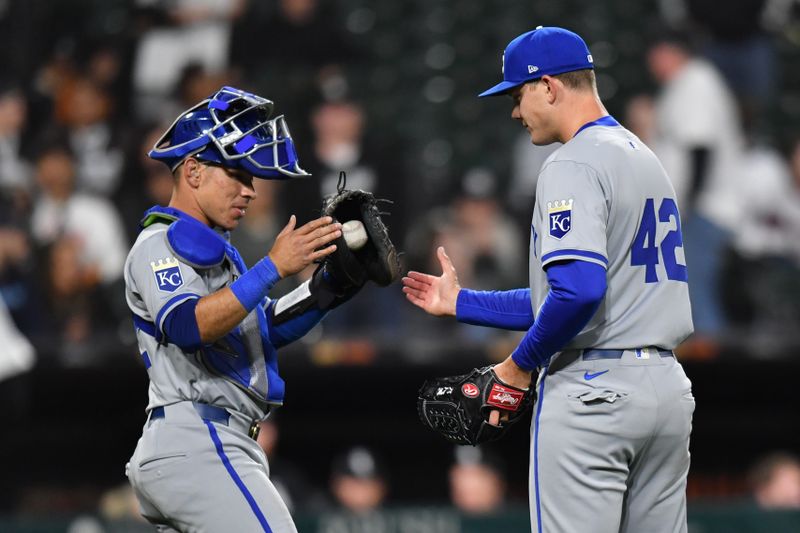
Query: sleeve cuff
[(581, 255)]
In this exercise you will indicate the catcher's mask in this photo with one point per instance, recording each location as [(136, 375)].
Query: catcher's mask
[(232, 128)]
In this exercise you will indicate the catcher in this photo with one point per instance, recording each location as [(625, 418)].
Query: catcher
[(208, 333)]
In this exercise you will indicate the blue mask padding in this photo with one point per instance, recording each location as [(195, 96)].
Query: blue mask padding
[(245, 144)]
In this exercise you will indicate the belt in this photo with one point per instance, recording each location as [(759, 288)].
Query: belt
[(592, 354), (209, 412)]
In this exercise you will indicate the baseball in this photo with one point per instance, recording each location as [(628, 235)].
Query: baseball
[(354, 234)]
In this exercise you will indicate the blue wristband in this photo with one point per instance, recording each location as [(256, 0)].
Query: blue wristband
[(254, 284)]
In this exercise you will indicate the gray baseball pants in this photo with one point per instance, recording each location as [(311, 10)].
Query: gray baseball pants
[(197, 475), (610, 444)]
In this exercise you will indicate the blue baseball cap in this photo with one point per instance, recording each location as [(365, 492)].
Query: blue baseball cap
[(545, 50)]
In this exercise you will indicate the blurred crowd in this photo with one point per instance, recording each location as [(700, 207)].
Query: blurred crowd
[(80, 109), (358, 496), (88, 86)]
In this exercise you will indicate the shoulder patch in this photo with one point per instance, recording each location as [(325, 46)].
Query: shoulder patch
[(195, 244), (559, 213), (167, 273)]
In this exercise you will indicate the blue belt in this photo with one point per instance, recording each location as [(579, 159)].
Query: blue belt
[(592, 354), (206, 412), (212, 413)]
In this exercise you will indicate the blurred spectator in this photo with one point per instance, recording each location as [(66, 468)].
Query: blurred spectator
[(640, 117), (303, 56), (302, 30), (477, 481), (18, 285), (358, 481), (734, 36), (15, 170), (81, 323), (698, 138), (495, 245), (85, 109), (291, 482), (526, 163), (147, 182), (262, 223), (182, 32), (485, 246), (763, 272), (483, 242), (340, 144), (775, 481), (18, 355), (117, 512), (91, 221)]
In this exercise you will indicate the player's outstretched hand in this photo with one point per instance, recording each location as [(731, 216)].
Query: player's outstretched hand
[(436, 295), (296, 248)]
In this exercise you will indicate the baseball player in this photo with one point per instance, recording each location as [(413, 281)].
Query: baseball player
[(607, 304), (207, 331)]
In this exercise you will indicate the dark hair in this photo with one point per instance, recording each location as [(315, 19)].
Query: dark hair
[(578, 79)]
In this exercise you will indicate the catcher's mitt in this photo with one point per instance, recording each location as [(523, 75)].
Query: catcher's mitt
[(377, 259), (458, 407)]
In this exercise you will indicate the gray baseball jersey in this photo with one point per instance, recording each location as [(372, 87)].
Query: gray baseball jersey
[(609, 443), (603, 197), (196, 467), (157, 281)]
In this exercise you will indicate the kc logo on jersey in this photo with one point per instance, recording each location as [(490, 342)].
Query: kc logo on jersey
[(560, 215), (168, 274)]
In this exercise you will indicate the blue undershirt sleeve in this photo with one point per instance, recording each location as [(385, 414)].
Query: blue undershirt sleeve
[(293, 329), (180, 327), (576, 290), (498, 309)]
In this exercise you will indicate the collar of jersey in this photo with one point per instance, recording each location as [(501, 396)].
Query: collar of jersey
[(169, 215), (607, 120)]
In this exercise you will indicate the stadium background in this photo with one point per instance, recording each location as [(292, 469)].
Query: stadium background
[(411, 70)]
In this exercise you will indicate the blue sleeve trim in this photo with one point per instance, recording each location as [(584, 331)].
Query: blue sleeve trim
[(293, 329), (576, 290), (171, 304), (253, 285), (574, 253), (196, 244), (498, 309), (180, 327), (144, 325)]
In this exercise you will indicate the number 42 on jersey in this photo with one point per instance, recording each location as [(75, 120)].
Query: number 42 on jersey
[(645, 252)]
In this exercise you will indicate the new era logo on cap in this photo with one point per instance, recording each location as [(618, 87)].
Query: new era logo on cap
[(545, 50)]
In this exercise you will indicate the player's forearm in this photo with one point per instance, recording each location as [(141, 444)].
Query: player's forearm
[(217, 314), (295, 328), (498, 309), (576, 290)]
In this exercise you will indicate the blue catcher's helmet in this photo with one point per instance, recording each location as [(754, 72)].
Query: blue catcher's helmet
[(232, 128)]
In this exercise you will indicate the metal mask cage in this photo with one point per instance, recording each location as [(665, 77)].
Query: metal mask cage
[(240, 130)]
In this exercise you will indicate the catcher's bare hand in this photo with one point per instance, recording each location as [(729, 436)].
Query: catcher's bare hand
[(436, 295), (296, 248)]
